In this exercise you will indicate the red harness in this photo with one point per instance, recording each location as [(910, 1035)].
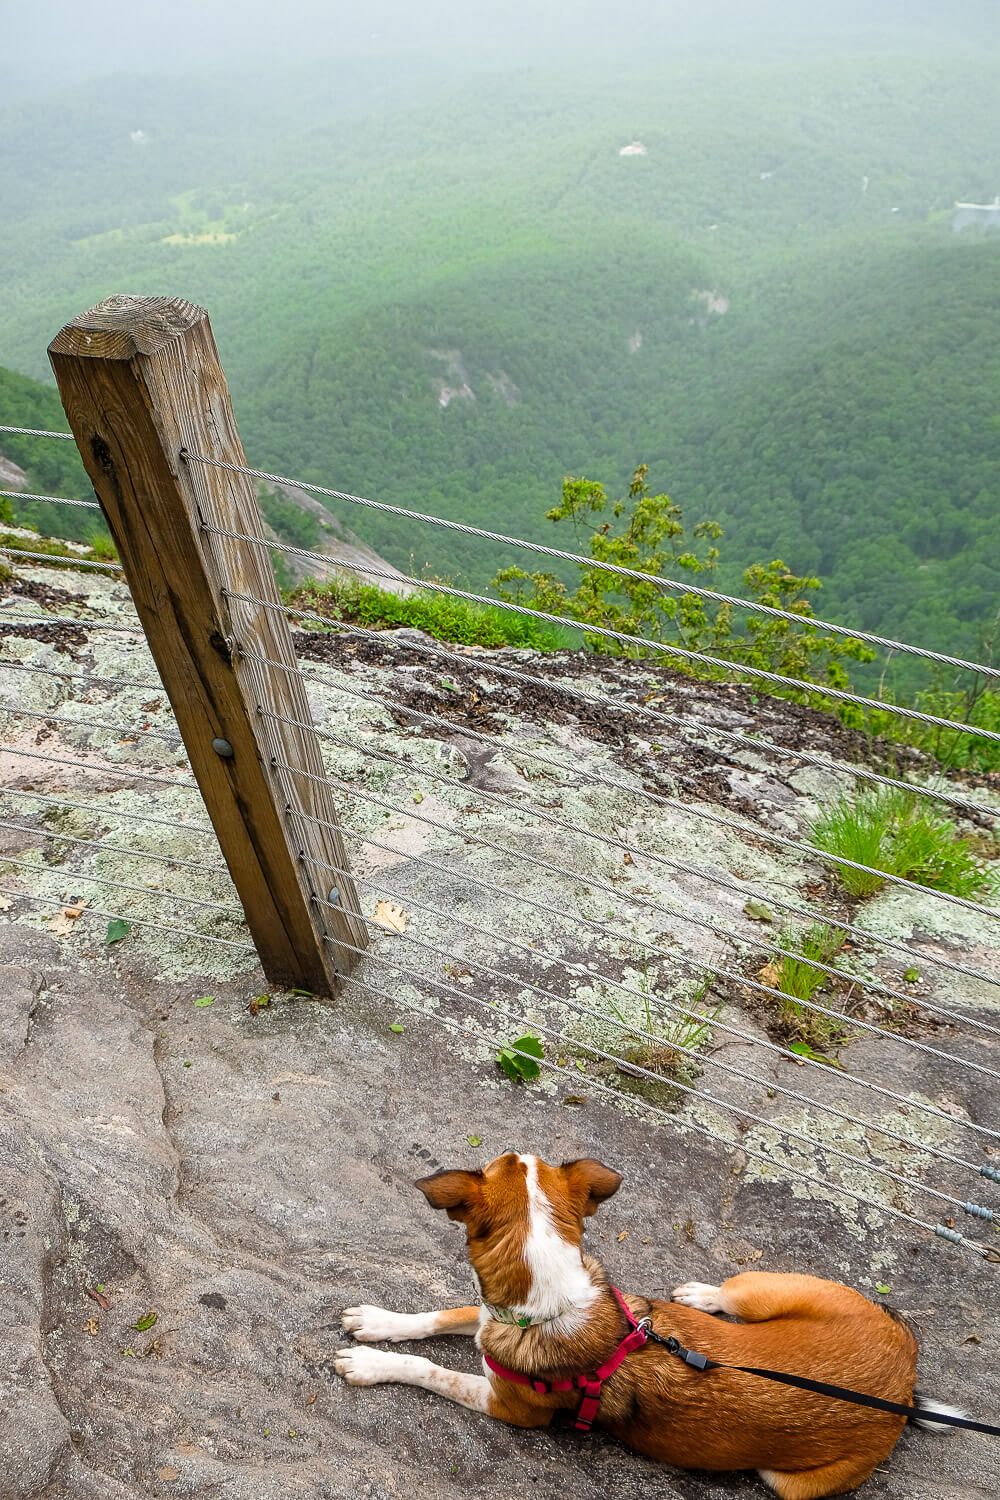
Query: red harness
[(590, 1385)]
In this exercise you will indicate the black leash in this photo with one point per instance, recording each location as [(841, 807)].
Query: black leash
[(838, 1392)]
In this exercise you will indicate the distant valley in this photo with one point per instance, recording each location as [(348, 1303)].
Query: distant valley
[(749, 276)]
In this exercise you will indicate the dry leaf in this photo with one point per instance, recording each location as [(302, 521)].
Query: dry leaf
[(623, 1236), (92, 1326), (769, 975), (98, 1296), (62, 922), (390, 916), (311, 1401), (168, 1472)]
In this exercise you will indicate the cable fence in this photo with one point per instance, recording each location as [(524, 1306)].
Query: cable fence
[(517, 856), (63, 859)]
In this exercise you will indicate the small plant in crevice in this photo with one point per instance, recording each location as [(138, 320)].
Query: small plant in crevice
[(896, 834), (798, 977), (799, 980), (519, 1059), (670, 1044)]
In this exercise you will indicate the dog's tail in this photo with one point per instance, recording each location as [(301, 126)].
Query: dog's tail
[(928, 1406)]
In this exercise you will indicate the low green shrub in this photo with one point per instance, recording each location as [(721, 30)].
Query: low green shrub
[(439, 615), (100, 549)]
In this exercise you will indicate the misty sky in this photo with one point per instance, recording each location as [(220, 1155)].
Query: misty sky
[(55, 39)]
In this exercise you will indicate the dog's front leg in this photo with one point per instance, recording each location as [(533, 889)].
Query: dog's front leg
[(376, 1325), (379, 1366)]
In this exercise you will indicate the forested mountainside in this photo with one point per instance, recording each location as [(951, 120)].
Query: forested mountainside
[(450, 293), (50, 468)]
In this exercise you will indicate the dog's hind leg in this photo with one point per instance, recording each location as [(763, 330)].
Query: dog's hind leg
[(756, 1296), (375, 1325), (814, 1484)]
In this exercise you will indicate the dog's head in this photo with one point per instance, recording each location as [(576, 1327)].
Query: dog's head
[(523, 1217)]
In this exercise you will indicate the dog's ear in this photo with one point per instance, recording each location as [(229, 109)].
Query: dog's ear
[(456, 1191), (590, 1182)]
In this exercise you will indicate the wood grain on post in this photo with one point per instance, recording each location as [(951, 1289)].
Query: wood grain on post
[(140, 381)]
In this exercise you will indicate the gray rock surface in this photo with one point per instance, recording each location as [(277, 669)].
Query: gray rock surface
[(245, 1171)]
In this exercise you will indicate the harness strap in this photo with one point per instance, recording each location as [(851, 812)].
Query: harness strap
[(839, 1392), (590, 1385)]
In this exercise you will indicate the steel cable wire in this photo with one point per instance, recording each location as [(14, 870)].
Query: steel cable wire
[(633, 574), (96, 911), (531, 811), (704, 967), (627, 1027), (596, 779), (681, 1124), (38, 432), (639, 1070), (944, 1231), (634, 710), (697, 968), (47, 499), (78, 623), (579, 878), (71, 876), (672, 801), (104, 813), (92, 679), (182, 783), (57, 557), (675, 1008), (605, 633), (106, 848), (795, 909), (120, 729)]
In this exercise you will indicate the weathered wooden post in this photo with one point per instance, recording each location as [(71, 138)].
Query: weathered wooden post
[(140, 381)]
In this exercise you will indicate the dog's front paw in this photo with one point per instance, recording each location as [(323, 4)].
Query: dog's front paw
[(701, 1295), (369, 1325), (368, 1366)]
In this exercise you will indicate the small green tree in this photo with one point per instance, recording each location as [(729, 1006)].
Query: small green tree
[(646, 533)]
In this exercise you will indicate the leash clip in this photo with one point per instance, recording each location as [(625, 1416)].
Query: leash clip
[(691, 1357)]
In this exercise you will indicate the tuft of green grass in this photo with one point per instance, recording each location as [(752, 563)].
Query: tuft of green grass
[(439, 615), (895, 833), (100, 548), (677, 1042), (798, 978)]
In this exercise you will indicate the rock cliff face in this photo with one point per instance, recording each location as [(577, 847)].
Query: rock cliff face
[(242, 1169), (337, 543)]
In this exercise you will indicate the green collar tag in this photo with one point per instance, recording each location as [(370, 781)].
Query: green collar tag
[(516, 1319)]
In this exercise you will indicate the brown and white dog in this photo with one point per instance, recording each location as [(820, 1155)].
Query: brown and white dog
[(548, 1311)]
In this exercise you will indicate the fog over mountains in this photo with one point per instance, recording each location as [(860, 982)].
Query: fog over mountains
[(56, 39)]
